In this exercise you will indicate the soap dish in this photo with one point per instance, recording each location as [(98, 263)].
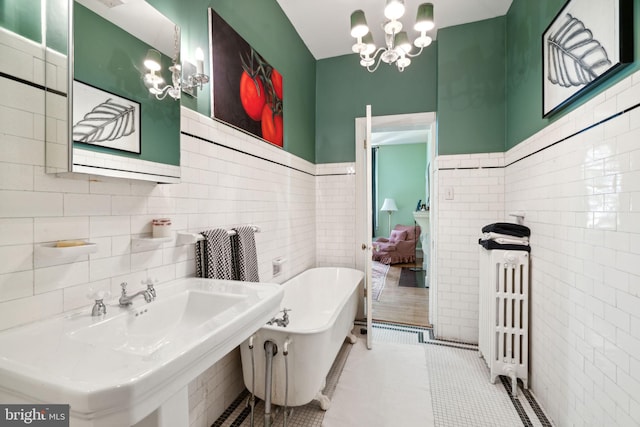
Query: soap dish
[(50, 250)]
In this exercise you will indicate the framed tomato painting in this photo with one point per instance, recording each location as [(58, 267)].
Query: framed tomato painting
[(247, 90)]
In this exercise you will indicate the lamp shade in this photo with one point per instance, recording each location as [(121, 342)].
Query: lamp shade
[(424, 17), (152, 60), (389, 205), (368, 41), (402, 42), (358, 24)]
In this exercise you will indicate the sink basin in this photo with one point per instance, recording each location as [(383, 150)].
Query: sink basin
[(174, 321), (119, 368)]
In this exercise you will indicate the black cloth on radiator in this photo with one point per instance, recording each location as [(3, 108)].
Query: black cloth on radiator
[(516, 230), (492, 244)]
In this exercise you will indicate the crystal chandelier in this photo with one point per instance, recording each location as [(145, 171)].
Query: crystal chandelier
[(397, 49)]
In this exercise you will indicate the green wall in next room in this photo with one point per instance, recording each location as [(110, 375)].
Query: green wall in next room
[(401, 176), (471, 87), (344, 88)]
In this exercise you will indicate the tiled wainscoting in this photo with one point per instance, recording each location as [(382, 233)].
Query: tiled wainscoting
[(578, 183), (470, 195), (580, 189), (335, 215)]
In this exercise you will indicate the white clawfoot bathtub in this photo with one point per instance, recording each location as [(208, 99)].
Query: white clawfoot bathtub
[(323, 303)]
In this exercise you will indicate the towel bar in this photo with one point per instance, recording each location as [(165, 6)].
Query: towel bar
[(185, 238)]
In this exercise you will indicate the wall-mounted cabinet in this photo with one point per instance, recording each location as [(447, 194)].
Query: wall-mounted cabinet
[(101, 118)]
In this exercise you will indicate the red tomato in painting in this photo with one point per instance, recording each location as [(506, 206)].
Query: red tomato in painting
[(276, 80), (272, 126), (252, 96)]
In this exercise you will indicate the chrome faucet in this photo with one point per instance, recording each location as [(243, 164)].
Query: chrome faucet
[(149, 294), (98, 308), (281, 322), (150, 288)]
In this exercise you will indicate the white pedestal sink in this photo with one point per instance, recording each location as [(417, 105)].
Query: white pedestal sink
[(134, 363), (422, 218)]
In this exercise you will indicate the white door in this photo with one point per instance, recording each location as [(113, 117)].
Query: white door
[(364, 221), (369, 225)]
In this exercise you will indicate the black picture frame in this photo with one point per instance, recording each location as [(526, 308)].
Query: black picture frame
[(586, 42)]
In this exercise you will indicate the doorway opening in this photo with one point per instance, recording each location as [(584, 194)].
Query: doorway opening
[(402, 148)]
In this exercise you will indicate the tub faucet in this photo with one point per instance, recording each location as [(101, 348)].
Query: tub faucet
[(126, 300), (281, 322)]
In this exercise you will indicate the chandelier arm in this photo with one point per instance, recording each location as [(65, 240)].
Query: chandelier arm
[(163, 92), (377, 65), (377, 52), (415, 54)]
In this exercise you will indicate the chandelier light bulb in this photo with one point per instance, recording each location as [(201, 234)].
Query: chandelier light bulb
[(152, 60), (394, 9)]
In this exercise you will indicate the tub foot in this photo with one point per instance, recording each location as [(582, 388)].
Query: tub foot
[(325, 402), (352, 338)]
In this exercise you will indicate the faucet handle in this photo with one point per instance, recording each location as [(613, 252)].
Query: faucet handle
[(123, 285), (99, 308), (151, 290)]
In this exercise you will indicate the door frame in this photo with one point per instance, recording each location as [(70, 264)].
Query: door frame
[(362, 236)]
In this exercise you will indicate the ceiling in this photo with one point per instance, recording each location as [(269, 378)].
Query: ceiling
[(324, 25)]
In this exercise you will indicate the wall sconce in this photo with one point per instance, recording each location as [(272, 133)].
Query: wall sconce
[(187, 81)]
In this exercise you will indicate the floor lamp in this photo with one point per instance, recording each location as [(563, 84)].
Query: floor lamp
[(389, 205)]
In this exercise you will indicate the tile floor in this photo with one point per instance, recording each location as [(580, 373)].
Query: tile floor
[(457, 391)]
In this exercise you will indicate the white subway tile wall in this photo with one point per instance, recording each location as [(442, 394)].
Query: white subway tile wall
[(580, 193), (335, 215), (470, 195), (578, 196)]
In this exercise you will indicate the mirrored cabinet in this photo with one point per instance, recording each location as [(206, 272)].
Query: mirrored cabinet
[(103, 115)]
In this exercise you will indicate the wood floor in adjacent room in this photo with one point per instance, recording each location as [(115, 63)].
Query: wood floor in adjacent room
[(401, 304)]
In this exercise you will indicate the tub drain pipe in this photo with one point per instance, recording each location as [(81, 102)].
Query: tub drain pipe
[(252, 401), (285, 353), (271, 349)]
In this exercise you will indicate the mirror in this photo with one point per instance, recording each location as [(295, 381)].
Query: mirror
[(97, 98)]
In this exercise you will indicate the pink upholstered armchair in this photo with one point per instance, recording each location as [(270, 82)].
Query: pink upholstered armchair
[(399, 247)]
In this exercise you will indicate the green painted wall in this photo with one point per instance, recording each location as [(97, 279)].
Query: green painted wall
[(526, 20), (57, 16), (22, 17), (265, 27), (115, 68), (401, 176), (483, 79), (344, 88), (471, 87)]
